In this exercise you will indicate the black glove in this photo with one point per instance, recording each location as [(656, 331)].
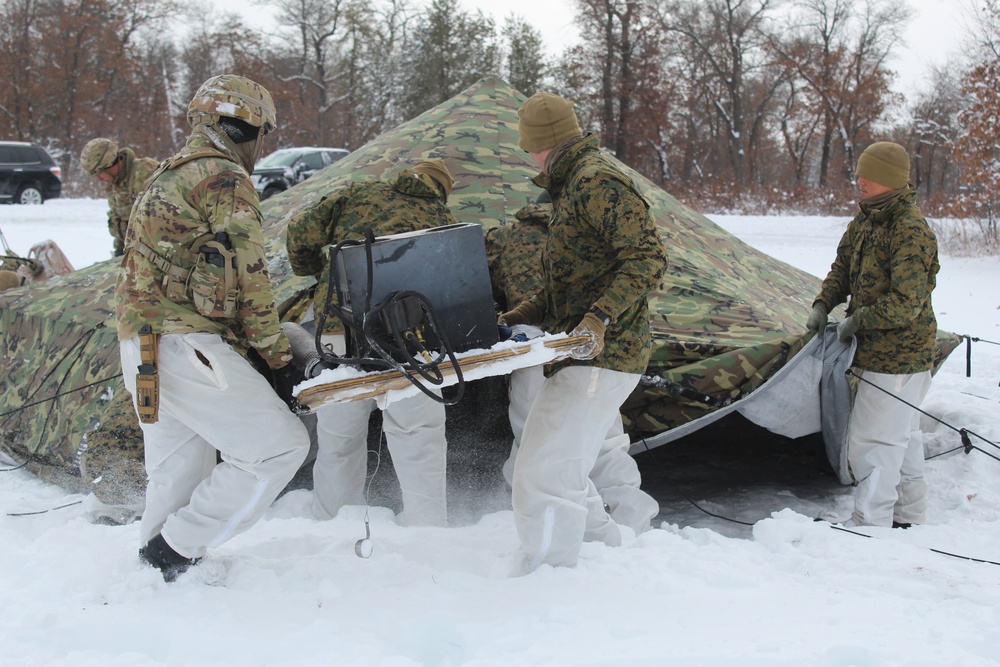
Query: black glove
[(285, 379)]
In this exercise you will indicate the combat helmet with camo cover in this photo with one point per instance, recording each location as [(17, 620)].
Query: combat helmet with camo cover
[(98, 154), (727, 319), (232, 96)]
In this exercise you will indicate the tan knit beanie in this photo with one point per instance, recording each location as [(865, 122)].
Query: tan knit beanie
[(437, 170), (545, 121), (885, 163)]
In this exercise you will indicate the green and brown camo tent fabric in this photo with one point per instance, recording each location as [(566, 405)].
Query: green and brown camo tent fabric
[(725, 320)]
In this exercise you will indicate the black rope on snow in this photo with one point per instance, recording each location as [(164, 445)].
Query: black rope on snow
[(699, 507), (45, 400), (963, 432), (832, 525), (51, 509), (65, 393), (666, 477), (937, 551)]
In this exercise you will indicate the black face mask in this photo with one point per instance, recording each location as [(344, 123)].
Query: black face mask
[(238, 130)]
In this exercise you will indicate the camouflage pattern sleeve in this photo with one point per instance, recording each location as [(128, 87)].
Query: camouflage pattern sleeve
[(494, 256), (837, 284), (117, 226), (123, 192), (912, 267), (308, 232), (230, 204), (623, 219)]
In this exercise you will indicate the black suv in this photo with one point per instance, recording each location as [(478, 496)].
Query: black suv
[(28, 175), (286, 167)]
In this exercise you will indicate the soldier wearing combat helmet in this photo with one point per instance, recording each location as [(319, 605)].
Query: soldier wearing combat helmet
[(194, 280), (123, 175)]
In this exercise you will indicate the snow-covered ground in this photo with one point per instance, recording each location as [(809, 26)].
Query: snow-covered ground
[(790, 592)]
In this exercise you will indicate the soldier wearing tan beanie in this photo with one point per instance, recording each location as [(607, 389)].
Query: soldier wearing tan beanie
[(601, 259), (545, 121), (885, 269), (438, 171), (885, 163)]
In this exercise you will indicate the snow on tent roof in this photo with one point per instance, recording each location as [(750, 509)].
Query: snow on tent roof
[(726, 318)]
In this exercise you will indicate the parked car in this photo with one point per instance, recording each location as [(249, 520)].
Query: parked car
[(28, 174), (286, 167)]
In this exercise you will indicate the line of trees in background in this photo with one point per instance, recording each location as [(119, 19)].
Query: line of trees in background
[(750, 105)]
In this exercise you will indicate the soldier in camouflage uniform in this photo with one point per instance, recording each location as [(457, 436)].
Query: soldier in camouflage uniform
[(886, 263), (601, 259), (414, 427), (514, 254), (123, 174), (194, 270)]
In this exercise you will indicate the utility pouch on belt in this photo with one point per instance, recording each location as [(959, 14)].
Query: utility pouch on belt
[(147, 380)]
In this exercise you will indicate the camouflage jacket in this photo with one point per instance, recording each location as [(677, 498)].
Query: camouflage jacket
[(403, 205), (886, 263), (602, 250), (514, 255), (132, 174), (185, 204)]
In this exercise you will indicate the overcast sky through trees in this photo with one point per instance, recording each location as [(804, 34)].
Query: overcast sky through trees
[(932, 35)]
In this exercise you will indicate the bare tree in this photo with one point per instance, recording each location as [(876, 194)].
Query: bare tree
[(70, 66), (729, 36), (839, 49), (977, 143)]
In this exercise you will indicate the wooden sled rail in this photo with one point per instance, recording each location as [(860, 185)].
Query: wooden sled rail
[(376, 384)]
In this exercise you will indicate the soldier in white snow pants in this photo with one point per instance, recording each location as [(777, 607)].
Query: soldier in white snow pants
[(886, 460), (414, 434), (615, 475), (211, 401)]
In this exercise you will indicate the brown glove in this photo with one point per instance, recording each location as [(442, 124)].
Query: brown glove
[(525, 313), (593, 327)]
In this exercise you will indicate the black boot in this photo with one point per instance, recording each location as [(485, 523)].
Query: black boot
[(161, 555), (899, 524)]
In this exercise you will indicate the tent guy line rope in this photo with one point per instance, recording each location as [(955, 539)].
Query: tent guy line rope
[(44, 400), (937, 551), (963, 432), (65, 393), (832, 525), (51, 509)]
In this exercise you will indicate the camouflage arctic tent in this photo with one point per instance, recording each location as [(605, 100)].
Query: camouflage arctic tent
[(726, 319)]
